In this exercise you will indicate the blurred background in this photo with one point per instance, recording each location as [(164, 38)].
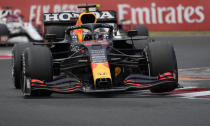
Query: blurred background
[(158, 15)]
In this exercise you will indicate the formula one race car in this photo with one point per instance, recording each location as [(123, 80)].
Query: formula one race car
[(91, 59), (14, 30)]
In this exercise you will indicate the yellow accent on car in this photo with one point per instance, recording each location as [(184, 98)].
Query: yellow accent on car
[(117, 71), (100, 70)]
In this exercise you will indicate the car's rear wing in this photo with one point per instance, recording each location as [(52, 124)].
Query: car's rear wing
[(56, 23), (71, 17)]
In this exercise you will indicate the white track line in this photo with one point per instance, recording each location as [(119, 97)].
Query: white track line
[(193, 95)]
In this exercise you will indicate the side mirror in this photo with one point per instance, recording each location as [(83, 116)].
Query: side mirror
[(132, 33), (50, 37)]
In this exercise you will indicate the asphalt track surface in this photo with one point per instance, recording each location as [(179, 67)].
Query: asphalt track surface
[(125, 109)]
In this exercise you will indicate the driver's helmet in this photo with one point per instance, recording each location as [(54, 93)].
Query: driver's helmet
[(87, 36), (85, 17), (97, 36)]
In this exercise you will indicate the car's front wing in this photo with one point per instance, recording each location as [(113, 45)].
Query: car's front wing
[(132, 82)]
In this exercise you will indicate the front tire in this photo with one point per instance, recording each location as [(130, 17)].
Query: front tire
[(142, 30), (17, 52), (162, 59), (37, 64)]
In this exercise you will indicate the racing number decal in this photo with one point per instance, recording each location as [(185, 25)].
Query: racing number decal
[(102, 74)]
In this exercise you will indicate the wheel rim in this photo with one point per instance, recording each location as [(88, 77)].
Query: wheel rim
[(13, 67), (26, 88)]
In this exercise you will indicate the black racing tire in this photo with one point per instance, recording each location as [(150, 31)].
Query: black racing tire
[(4, 30), (17, 52), (38, 63), (161, 57), (142, 30), (140, 44)]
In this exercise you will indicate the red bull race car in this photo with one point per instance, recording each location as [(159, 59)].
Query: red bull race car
[(83, 52)]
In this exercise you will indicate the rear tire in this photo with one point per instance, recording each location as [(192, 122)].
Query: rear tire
[(37, 64), (162, 58), (142, 30), (17, 52)]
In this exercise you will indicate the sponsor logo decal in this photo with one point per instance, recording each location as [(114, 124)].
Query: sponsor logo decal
[(67, 16)]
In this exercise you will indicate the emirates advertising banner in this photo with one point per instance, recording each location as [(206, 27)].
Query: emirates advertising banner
[(158, 15)]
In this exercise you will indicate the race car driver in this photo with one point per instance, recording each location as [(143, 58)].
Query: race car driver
[(86, 17)]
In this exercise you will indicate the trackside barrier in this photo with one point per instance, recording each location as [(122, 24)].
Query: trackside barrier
[(156, 14)]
